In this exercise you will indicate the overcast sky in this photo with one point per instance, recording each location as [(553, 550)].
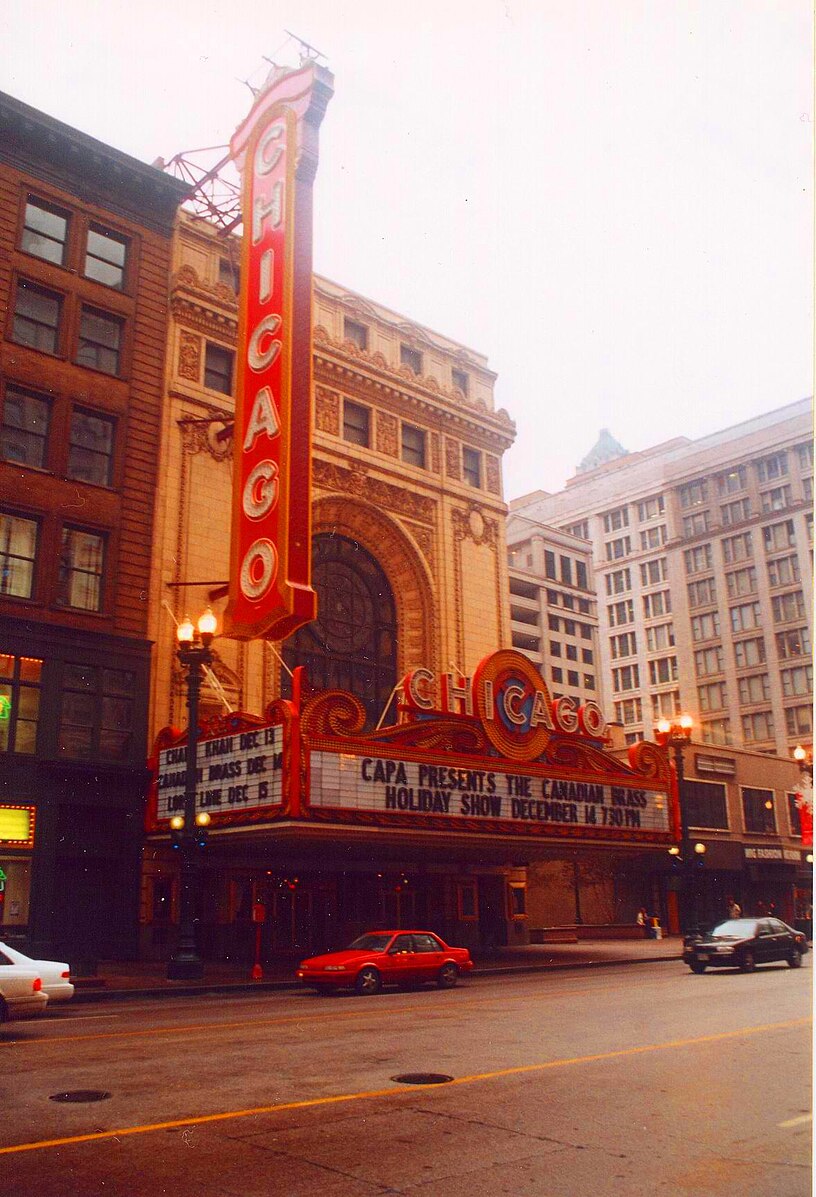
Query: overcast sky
[(612, 199)]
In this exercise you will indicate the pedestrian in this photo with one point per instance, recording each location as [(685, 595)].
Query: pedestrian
[(734, 909), (642, 920)]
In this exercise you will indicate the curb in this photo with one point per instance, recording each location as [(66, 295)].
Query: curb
[(185, 990)]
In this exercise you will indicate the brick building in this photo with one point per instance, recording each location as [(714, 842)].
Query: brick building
[(84, 255)]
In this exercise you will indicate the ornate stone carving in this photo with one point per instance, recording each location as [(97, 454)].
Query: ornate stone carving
[(425, 539), (453, 459), (202, 435), (354, 481), (387, 434), (189, 358), (493, 474), (327, 411), (435, 463)]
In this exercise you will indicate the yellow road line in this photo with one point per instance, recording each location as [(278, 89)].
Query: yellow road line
[(314, 1102)]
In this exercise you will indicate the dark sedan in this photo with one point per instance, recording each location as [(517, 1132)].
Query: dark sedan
[(745, 943)]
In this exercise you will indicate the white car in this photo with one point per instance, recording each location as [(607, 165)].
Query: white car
[(55, 974), (21, 993)]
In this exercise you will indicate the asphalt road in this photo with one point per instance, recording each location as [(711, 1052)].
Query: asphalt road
[(635, 1080)]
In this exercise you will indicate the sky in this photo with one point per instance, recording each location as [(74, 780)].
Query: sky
[(611, 199)]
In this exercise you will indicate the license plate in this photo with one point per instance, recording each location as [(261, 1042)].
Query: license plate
[(703, 956)]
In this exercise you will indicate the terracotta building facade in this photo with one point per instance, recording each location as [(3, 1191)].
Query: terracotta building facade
[(85, 235)]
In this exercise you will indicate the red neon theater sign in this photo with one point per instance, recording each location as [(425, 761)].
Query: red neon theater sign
[(276, 149)]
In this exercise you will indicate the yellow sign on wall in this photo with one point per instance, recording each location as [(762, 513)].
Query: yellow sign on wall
[(17, 826)]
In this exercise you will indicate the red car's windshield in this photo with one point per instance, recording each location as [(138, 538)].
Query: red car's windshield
[(370, 943)]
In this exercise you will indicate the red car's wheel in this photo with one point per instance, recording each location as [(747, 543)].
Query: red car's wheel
[(368, 981), (448, 976)]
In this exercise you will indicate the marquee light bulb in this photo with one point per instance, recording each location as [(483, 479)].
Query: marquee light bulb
[(177, 822)]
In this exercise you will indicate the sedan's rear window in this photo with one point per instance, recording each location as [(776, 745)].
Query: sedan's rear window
[(738, 928), (370, 943)]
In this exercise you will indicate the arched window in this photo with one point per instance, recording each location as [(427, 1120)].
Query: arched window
[(352, 643)]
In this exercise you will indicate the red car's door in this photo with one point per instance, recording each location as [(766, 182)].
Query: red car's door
[(399, 962), (429, 956)]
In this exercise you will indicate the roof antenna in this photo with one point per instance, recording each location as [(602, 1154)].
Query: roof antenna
[(306, 51)]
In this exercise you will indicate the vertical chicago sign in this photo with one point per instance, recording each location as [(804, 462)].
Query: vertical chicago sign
[(276, 150)]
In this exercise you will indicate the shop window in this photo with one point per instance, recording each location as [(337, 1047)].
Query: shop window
[(90, 448), (100, 341), (81, 570), (96, 716), (758, 810), (706, 804), (24, 432), (517, 899), (413, 446), (18, 551), (105, 257), (45, 231), (467, 901), (218, 363), (794, 816), (356, 424), (356, 333), (19, 702), (37, 314)]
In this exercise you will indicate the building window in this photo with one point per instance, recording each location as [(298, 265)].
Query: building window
[(706, 804), (613, 521), (568, 601), (754, 688), (627, 677), (697, 559), (413, 446), (708, 661), (569, 627), (621, 613), (794, 817), (557, 674), (797, 681), (18, 551), (662, 670), (758, 810), (572, 652), (572, 678), (589, 681), (657, 604), (666, 704), (472, 467), (549, 569), (660, 636), (356, 424), (581, 576), (773, 467), (526, 642), (741, 582), (758, 726), (716, 731), (81, 570), (618, 581), (566, 571), (96, 716), (712, 697), (702, 593), (737, 548), (749, 652), (777, 499), (652, 572), (411, 358), (620, 547), (794, 643), (356, 333), (45, 231), (100, 341), (745, 617), (649, 509), (460, 380), (732, 481), (777, 537), (229, 274), (105, 256), (788, 606), (693, 494), (629, 711), (805, 454), (218, 364), (37, 317), (653, 538), (90, 448), (581, 529), (24, 432), (799, 720), (736, 512), (19, 702), (694, 524), (623, 645)]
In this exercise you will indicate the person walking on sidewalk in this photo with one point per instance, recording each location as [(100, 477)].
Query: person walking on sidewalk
[(642, 920), (734, 909)]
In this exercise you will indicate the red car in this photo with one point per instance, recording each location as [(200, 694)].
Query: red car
[(387, 958)]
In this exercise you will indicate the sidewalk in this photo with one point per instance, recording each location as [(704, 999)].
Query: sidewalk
[(142, 979)]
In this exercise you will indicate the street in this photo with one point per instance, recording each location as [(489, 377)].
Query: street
[(625, 1080)]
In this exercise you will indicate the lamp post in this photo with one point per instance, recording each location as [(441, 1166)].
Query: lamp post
[(194, 654), (676, 734)]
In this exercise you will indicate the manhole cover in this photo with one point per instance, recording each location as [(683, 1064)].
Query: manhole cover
[(422, 1078), (80, 1095)]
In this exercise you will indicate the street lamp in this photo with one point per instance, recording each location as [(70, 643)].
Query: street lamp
[(676, 734), (194, 654)]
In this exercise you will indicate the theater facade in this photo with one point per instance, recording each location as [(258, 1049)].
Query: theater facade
[(328, 828)]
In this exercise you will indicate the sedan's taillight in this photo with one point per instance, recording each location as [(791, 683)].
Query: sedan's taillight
[(66, 974), (36, 984)]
